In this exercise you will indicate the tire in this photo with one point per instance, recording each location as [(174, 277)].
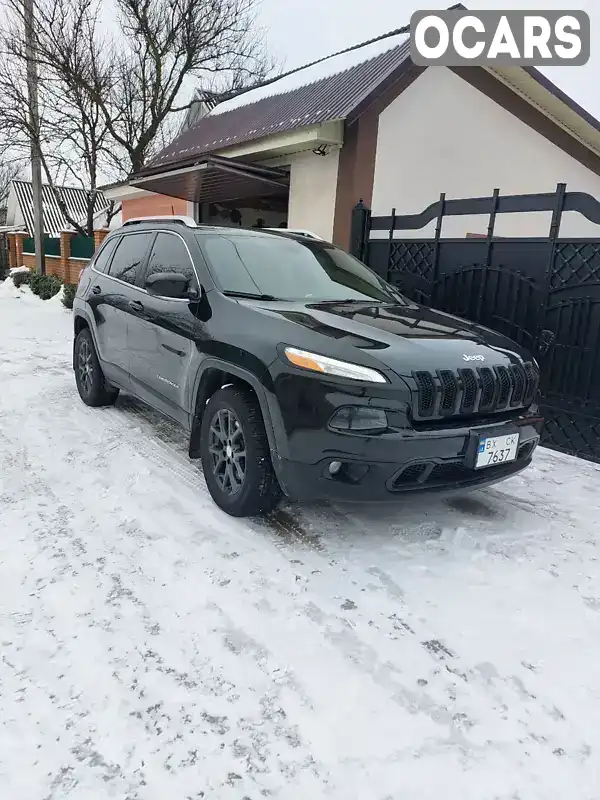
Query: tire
[(232, 423), (90, 380)]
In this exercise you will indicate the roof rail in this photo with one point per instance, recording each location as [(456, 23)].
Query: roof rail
[(294, 231), (180, 220)]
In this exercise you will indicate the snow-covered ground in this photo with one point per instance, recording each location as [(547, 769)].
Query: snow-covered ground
[(152, 648)]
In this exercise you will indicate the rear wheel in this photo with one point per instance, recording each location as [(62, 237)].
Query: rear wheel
[(91, 383), (235, 454)]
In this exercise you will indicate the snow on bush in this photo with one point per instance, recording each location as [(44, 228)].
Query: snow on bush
[(23, 283), (8, 289), (45, 286), (57, 298), (19, 276)]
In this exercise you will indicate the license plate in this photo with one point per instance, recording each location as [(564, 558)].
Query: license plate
[(497, 450)]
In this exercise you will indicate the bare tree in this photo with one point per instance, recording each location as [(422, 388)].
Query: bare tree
[(138, 79), (71, 132), (107, 104), (171, 41)]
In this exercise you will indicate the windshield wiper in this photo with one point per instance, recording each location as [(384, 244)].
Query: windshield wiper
[(346, 301), (250, 295)]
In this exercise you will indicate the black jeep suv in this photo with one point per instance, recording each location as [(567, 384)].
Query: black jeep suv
[(296, 369)]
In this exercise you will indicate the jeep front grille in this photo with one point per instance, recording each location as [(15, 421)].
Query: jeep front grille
[(474, 391)]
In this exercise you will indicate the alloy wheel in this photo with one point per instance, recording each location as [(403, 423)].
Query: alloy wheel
[(227, 449), (85, 367)]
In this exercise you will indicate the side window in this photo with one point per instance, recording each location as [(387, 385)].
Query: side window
[(129, 255), (169, 254), (102, 260)]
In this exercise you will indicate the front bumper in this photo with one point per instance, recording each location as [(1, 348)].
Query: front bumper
[(426, 470), (421, 462), (406, 458)]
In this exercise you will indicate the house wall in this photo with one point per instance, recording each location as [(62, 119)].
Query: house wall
[(444, 135), (313, 188), (150, 204), (357, 156), (116, 221)]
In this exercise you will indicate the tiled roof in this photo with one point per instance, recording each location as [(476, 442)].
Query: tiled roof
[(307, 98), (54, 220)]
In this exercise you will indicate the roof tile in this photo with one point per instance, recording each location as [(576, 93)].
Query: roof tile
[(325, 100)]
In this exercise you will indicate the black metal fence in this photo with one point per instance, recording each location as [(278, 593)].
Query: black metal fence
[(542, 292)]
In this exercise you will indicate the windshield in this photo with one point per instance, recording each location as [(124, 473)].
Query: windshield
[(278, 268)]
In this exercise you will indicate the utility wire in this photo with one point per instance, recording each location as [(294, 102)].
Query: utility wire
[(236, 93), (221, 98)]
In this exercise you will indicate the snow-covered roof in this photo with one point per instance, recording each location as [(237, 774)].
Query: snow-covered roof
[(325, 92), (309, 75)]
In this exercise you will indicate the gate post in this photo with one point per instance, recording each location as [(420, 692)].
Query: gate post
[(435, 266), (491, 226), (544, 338), (488, 255), (359, 230), (561, 190)]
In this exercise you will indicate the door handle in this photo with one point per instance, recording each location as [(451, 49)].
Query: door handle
[(96, 289), (174, 350), (136, 305)]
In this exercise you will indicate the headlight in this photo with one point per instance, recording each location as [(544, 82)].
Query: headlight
[(331, 366)]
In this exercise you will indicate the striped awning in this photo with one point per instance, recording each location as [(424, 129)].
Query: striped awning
[(74, 199)]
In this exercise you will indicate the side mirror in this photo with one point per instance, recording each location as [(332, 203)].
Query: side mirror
[(170, 284)]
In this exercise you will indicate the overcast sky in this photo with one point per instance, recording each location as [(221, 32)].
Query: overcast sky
[(300, 31)]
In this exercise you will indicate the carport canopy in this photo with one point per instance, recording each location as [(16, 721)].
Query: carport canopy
[(214, 179)]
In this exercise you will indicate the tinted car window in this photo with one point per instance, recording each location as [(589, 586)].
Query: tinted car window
[(169, 254), (103, 258), (292, 270), (129, 255)]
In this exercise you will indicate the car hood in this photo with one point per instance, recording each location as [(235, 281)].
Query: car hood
[(402, 337)]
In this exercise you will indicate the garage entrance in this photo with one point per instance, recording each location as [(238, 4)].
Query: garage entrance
[(226, 192)]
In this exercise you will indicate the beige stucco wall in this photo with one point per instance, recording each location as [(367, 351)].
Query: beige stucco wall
[(313, 188), (443, 135), (145, 204)]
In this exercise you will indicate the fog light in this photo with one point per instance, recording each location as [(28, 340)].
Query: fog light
[(359, 418), (335, 467)]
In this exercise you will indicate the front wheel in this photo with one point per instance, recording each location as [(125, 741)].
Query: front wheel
[(89, 377), (235, 454)]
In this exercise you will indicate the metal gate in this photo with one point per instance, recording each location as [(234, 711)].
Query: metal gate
[(541, 292)]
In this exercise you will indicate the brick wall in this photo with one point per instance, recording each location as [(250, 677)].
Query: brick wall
[(64, 266), (154, 205), (66, 269), (27, 260)]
